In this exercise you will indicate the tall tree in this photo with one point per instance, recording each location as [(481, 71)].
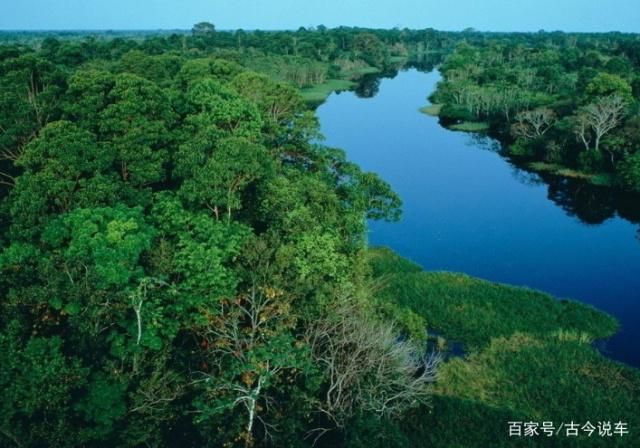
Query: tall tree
[(599, 118)]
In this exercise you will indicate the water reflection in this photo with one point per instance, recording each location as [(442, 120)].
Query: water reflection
[(368, 86), (591, 204), (468, 208)]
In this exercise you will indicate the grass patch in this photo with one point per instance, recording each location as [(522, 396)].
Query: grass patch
[(545, 167), (530, 359), (524, 378), (575, 174), (470, 126), (475, 311), (384, 261), (319, 93), (559, 170), (547, 379), (432, 109), (359, 72), (601, 179)]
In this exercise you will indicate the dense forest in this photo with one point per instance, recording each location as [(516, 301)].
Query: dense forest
[(565, 104), (183, 263)]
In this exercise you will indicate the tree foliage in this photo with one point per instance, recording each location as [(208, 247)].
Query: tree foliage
[(171, 230), (561, 103)]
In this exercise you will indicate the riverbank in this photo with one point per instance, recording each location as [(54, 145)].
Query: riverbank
[(467, 208), (318, 93), (556, 169), (587, 123), (601, 179), (433, 110), (529, 358)]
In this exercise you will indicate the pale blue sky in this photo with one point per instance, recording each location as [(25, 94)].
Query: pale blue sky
[(491, 15)]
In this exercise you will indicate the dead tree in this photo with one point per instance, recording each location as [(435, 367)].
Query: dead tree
[(234, 345), (533, 123), (368, 367), (598, 119)]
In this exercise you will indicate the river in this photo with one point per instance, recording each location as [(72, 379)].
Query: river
[(468, 209)]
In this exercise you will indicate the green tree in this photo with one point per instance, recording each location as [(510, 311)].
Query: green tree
[(63, 168), (87, 96), (370, 48), (203, 29), (30, 90), (218, 180), (605, 84), (629, 170), (136, 122), (217, 105), (38, 382), (204, 35)]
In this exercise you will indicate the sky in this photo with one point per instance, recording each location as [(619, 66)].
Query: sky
[(484, 15)]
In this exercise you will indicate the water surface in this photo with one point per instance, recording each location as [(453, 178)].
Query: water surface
[(467, 209)]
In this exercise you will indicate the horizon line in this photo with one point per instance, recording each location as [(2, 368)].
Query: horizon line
[(314, 27)]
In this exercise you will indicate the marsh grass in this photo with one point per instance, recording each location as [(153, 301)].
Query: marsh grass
[(602, 179), (475, 311), (524, 378), (470, 126), (358, 72), (530, 358), (432, 109), (319, 93)]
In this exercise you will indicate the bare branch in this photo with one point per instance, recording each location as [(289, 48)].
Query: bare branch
[(600, 118), (368, 367), (533, 123), (6, 179), (242, 326), (155, 394), (138, 298)]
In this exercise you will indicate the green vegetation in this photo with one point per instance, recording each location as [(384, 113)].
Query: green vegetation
[(357, 72), (530, 359), (476, 311), (181, 264), (470, 126), (561, 170), (602, 179), (464, 126), (552, 99), (433, 109), (525, 379), (317, 94)]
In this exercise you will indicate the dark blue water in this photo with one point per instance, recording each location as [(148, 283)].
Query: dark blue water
[(467, 209)]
